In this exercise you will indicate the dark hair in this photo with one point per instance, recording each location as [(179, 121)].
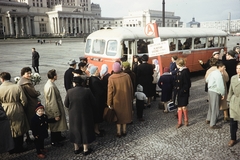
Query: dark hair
[(145, 57), (175, 57), (34, 49), (51, 74), (231, 53), (219, 64), (78, 81), (81, 64), (25, 69), (5, 76)]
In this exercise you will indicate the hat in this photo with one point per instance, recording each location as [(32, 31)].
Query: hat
[(72, 62), (231, 53), (82, 64), (216, 52), (104, 70), (144, 57), (116, 67), (139, 88), (78, 80), (93, 70), (77, 71), (39, 106), (166, 69), (126, 64), (123, 59)]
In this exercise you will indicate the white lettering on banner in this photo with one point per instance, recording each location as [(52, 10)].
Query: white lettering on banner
[(158, 49)]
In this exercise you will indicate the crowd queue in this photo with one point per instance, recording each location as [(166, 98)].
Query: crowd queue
[(90, 90)]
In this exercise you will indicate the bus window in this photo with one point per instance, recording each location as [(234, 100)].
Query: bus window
[(88, 46), (187, 43), (142, 46), (210, 42), (215, 41), (111, 48), (172, 44), (98, 46), (222, 41), (199, 43)]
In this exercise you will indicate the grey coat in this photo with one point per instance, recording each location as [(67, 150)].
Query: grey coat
[(54, 107), (234, 98)]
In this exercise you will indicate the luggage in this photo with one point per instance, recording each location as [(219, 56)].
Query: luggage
[(171, 106)]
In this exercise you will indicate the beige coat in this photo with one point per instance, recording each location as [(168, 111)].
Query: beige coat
[(223, 103), (32, 97), (234, 98), (120, 96), (13, 101), (54, 107)]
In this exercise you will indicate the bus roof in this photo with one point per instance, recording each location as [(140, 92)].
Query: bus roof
[(164, 32)]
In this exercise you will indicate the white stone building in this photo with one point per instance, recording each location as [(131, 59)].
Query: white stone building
[(22, 18)]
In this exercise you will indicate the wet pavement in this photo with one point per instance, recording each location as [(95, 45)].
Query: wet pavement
[(155, 138)]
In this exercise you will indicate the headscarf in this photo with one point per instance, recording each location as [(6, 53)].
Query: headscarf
[(104, 70)]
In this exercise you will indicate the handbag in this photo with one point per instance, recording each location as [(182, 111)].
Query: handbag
[(171, 106), (109, 115)]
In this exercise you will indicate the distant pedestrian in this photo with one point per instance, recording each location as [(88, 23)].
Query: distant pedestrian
[(182, 91), (35, 60), (68, 75), (233, 98), (13, 101), (81, 105), (141, 100), (39, 127), (54, 108)]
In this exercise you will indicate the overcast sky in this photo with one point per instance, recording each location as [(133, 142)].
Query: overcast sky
[(202, 10)]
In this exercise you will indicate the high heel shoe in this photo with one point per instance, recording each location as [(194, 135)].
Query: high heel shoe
[(118, 135)]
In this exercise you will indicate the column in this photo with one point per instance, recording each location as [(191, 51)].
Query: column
[(66, 27), (29, 32), (90, 25), (71, 27), (83, 28), (86, 25), (10, 25), (61, 24), (58, 25), (75, 26), (16, 26), (79, 25), (22, 26)]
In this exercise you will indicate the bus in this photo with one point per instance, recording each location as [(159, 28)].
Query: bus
[(108, 45)]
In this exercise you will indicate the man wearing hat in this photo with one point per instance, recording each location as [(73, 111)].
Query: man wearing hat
[(126, 69), (206, 65), (68, 76)]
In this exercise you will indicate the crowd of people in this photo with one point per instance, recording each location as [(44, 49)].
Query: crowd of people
[(91, 89)]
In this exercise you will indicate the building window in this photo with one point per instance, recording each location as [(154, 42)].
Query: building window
[(33, 4), (42, 19), (42, 27)]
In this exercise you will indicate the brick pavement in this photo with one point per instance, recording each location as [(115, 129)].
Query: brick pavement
[(155, 138)]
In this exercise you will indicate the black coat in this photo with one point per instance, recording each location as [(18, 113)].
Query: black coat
[(80, 103), (145, 78), (96, 86), (230, 69), (166, 82), (182, 87), (68, 77), (105, 85), (35, 59), (39, 125)]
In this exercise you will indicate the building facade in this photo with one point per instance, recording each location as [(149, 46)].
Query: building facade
[(23, 18)]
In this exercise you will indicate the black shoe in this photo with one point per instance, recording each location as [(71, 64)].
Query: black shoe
[(20, 150), (100, 134), (124, 134), (80, 149), (215, 127), (56, 144), (88, 152), (29, 141)]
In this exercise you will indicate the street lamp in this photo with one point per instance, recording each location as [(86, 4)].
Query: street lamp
[(84, 40)]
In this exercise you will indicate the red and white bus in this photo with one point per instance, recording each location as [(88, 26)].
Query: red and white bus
[(107, 45)]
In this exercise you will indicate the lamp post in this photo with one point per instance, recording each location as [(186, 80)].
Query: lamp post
[(84, 40), (163, 12)]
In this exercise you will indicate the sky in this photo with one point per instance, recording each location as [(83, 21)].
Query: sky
[(201, 10)]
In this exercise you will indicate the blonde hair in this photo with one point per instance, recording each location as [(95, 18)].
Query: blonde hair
[(180, 62)]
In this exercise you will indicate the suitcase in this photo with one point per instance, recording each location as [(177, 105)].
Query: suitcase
[(171, 106)]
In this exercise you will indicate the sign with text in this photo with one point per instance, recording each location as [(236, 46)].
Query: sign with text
[(158, 49)]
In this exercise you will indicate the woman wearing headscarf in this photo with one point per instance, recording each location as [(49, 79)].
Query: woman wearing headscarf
[(120, 97), (104, 75), (81, 105)]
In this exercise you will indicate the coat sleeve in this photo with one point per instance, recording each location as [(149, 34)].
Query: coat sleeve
[(52, 102), (23, 98), (29, 88), (230, 92), (110, 92), (66, 101)]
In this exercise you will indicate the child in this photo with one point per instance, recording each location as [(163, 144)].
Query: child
[(141, 100), (39, 127)]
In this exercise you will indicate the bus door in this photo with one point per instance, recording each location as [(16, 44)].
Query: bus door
[(128, 50)]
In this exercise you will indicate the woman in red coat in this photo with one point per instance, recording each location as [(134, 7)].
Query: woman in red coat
[(182, 88)]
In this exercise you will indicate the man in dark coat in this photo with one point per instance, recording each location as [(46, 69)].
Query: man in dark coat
[(35, 60), (80, 103), (145, 78), (126, 69), (68, 75)]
